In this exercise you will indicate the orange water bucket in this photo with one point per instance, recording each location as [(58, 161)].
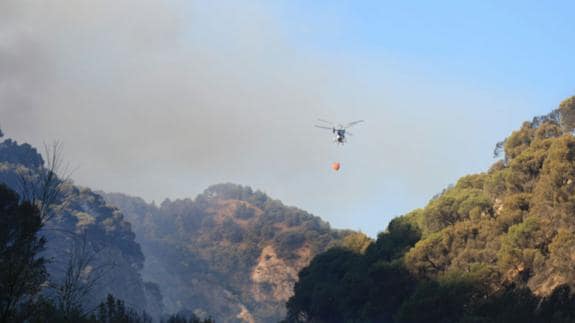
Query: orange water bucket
[(335, 166)]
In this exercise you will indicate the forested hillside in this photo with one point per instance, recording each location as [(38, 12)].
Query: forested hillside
[(498, 246), (231, 252), (88, 249)]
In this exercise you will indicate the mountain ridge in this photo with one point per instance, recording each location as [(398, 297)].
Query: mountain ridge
[(240, 244)]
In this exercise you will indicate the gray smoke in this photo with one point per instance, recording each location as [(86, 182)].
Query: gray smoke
[(163, 98)]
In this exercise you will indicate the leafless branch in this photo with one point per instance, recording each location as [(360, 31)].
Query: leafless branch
[(44, 186), (81, 274)]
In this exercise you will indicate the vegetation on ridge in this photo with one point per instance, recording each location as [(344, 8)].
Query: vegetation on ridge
[(496, 247), (230, 251)]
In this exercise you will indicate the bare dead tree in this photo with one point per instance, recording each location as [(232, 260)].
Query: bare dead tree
[(82, 272), (43, 187)]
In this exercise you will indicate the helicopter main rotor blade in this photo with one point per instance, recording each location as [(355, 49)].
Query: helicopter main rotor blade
[(328, 128), (328, 122), (351, 124)]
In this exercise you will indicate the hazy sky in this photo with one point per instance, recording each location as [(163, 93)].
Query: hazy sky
[(164, 98)]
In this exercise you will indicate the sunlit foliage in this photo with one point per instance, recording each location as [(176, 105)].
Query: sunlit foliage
[(495, 247)]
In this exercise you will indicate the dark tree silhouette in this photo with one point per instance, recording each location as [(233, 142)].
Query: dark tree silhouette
[(22, 272)]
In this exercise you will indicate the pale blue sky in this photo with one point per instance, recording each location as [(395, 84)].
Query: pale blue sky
[(523, 45), (161, 99)]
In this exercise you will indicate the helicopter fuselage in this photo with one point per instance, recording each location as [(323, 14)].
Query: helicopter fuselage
[(339, 135), (340, 130)]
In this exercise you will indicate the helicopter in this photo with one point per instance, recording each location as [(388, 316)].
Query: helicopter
[(340, 131)]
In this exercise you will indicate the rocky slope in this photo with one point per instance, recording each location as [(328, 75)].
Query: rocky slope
[(230, 252)]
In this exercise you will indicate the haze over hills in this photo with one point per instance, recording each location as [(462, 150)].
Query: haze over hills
[(163, 99), (495, 247), (162, 93), (82, 228), (230, 252)]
